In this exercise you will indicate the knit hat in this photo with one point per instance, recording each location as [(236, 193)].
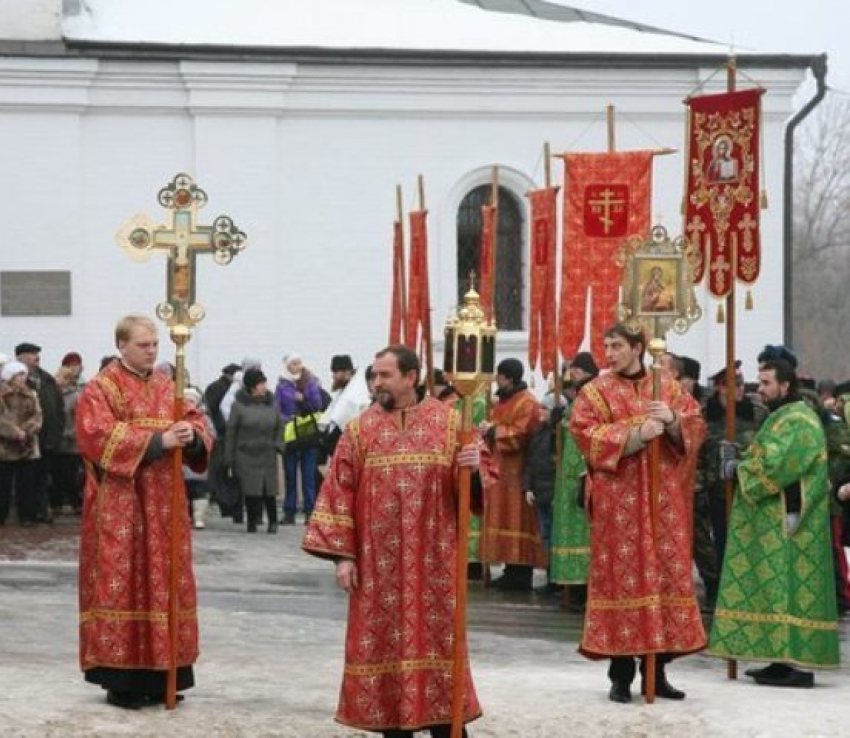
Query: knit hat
[(193, 395), (72, 358), (11, 368), (584, 361), (251, 378), (342, 363), (510, 369), (250, 361)]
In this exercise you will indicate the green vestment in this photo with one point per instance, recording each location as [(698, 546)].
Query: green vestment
[(570, 548), (479, 414), (777, 589)]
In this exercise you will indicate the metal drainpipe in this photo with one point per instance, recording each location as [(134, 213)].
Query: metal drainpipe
[(818, 67)]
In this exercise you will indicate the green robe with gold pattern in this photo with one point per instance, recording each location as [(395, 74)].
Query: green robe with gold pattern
[(777, 590), (479, 414), (570, 550)]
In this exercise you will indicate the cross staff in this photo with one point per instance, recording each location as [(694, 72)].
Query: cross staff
[(181, 243)]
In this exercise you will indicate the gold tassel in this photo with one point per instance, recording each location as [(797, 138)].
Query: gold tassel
[(764, 199), (748, 300), (721, 316)]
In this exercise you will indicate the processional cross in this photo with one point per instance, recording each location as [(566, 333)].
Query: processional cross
[(182, 242)]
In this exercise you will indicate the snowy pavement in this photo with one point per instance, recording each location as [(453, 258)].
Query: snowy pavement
[(272, 627)]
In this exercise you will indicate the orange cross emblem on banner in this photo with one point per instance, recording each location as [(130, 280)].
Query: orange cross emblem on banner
[(606, 210)]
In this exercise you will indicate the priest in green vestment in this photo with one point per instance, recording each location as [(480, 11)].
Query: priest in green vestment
[(777, 593)]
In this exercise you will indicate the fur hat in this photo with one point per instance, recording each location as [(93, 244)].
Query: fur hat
[(584, 361), (510, 369), (11, 368), (690, 368), (342, 363), (772, 353), (719, 377)]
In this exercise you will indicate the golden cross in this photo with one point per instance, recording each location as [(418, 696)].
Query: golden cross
[(605, 206), (181, 242)]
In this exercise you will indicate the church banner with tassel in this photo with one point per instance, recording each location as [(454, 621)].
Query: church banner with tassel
[(722, 190), (417, 332), (397, 309), (542, 340), (607, 199), (487, 261)]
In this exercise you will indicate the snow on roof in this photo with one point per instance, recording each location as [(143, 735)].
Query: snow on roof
[(403, 25)]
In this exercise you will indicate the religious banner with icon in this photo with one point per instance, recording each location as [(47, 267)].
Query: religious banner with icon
[(607, 198), (722, 189), (542, 332), (487, 260), (418, 290)]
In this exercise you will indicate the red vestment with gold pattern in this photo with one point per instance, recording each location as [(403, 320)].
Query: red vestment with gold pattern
[(640, 586), (511, 526), (125, 540), (389, 504)]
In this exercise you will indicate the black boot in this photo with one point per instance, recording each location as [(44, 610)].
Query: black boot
[(663, 688), (253, 505), (271, 512), (621, 672)]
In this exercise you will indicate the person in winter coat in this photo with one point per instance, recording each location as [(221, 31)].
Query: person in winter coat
[(20, 424), (197, 483), (298, 395), (67, 463), (253, 436)]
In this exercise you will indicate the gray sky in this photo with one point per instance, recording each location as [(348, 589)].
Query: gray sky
[(810, 27)]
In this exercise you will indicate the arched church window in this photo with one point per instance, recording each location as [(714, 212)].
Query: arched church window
[(509, 266)]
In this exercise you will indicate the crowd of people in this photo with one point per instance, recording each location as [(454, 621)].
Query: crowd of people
[(613, 486)]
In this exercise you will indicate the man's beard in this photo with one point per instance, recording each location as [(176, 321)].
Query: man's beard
[(339, 384), (385, 400)]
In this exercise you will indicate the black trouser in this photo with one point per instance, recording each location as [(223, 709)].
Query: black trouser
[(623, 668), (254, 508), (437, 731), (67, 471), (22, 478)]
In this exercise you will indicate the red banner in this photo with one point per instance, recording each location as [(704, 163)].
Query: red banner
[(397, 310), (543, 332), (722, 198), (607, 199), (418, 330), (487, 275)]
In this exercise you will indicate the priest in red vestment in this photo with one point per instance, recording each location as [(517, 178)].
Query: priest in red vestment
[(640, 588), (127, 436), (511, 526), (387, 517)]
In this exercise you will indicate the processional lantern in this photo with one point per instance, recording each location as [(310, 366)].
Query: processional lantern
[(470, 363), (470, 346)]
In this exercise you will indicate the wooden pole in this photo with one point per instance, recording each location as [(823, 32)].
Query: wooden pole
[(402, 270), (609, 119), (729, 485), (656, 348), (426, 329), (179, 509), (459, 664)]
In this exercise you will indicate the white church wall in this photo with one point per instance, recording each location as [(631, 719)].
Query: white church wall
[(306, 161)]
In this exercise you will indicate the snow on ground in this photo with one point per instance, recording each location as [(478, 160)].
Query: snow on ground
[(272, 642)]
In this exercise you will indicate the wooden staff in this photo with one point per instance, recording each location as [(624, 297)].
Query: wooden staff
[(426, 326), (656, 349), (178, 510), (402, 272), (729, 485), (459, 665)]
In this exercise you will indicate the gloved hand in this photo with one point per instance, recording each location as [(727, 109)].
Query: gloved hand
[(730, 454)]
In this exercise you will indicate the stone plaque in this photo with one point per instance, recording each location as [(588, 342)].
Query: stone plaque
[(34, 294)]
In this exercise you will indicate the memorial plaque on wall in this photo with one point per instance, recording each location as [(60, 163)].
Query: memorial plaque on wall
[(35, 294)]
